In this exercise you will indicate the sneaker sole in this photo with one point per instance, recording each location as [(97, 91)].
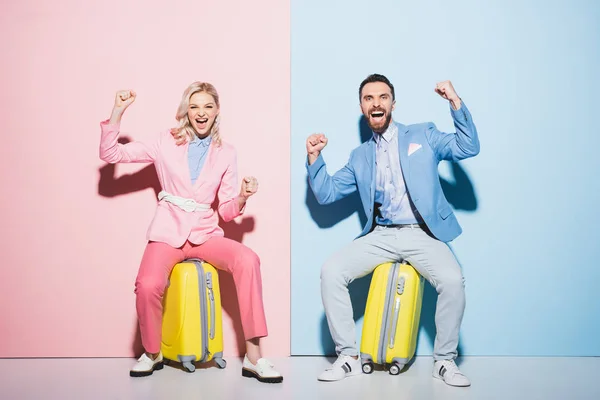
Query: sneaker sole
[(348, 375), (449, 384), (138, 374), (251, 374)]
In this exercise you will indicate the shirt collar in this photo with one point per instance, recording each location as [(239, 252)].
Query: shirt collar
[(389, 133), (197, 142)]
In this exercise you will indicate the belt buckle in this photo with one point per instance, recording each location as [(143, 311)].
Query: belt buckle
[(189, 204), (402, 226)]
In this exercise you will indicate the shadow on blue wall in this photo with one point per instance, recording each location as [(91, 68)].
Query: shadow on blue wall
[(460, 194)]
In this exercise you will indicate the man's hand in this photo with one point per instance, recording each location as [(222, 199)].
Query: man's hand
[(314, 144), (446, 90)]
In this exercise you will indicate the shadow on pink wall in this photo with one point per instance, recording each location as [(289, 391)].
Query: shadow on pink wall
[(109, 186)]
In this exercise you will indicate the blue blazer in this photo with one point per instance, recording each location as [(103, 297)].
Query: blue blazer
[(421, 148)]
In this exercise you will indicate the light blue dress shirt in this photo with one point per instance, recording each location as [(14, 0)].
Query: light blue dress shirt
[(197, 153), (390, 190)]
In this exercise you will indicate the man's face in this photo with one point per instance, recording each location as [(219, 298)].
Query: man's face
[(377, 105)]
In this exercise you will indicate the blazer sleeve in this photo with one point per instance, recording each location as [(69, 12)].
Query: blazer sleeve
[(455, 146), (228, 192), (327, 188), (112, 152)]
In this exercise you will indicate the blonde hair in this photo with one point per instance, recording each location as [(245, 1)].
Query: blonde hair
[(182, 117)]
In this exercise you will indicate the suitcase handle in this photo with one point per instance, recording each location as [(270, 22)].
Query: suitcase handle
[(211, 297), (394, 323)]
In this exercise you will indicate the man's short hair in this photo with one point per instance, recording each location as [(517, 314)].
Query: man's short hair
[(376, 78)]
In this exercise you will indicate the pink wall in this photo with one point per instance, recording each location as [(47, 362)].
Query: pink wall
[(73, 229)]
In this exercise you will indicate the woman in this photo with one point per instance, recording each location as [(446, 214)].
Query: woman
[(185, 225)]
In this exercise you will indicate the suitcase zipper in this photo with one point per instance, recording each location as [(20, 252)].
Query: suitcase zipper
[(389, 295), (399, 290), (211, 296), (203, 322)]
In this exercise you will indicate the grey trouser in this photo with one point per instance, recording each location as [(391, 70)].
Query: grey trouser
[(430, 257)]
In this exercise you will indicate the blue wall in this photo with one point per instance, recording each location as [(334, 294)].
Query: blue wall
[(528, 203)]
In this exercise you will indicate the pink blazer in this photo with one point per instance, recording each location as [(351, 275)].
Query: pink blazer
[(218, 177)]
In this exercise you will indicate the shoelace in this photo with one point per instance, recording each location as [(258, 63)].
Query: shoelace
[(263, 364)]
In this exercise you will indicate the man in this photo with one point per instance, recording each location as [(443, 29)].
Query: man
[(396, 175)]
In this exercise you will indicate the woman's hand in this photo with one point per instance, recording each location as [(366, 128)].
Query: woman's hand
[(123, 99), (249, 187)]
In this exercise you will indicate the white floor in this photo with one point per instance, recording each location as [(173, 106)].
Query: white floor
[(493, 378)]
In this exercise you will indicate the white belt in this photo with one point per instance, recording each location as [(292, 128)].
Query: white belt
[(188, 205)]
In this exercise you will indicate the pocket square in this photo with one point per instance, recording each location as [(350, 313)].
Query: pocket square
[(413, 147)]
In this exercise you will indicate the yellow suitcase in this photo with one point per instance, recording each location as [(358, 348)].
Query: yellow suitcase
[(192, 317), (392, 314)]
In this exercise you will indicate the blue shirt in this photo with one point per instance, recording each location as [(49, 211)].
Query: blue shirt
[(197, 152), (390, 190)]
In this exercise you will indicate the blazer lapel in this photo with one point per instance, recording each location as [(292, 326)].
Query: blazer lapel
[(183, 164), (208, 163), (403, 150), (370, 159)]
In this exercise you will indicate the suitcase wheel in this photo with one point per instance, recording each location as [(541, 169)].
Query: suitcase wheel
[(368, 367), (221, 363), (395, 369), (189, 366)]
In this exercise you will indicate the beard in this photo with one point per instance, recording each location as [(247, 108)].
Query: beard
[(381, 125)]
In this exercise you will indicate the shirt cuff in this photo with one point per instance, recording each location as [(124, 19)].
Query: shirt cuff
[(460, 114), (314, 167)]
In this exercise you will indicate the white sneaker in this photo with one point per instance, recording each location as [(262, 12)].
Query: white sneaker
[(263, 371), (146, 366), (447, 371), (343, 367)]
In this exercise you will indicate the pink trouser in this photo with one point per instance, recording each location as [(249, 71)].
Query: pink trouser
[(225, 254)]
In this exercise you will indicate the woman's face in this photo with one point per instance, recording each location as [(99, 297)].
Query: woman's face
[(202, 112)]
